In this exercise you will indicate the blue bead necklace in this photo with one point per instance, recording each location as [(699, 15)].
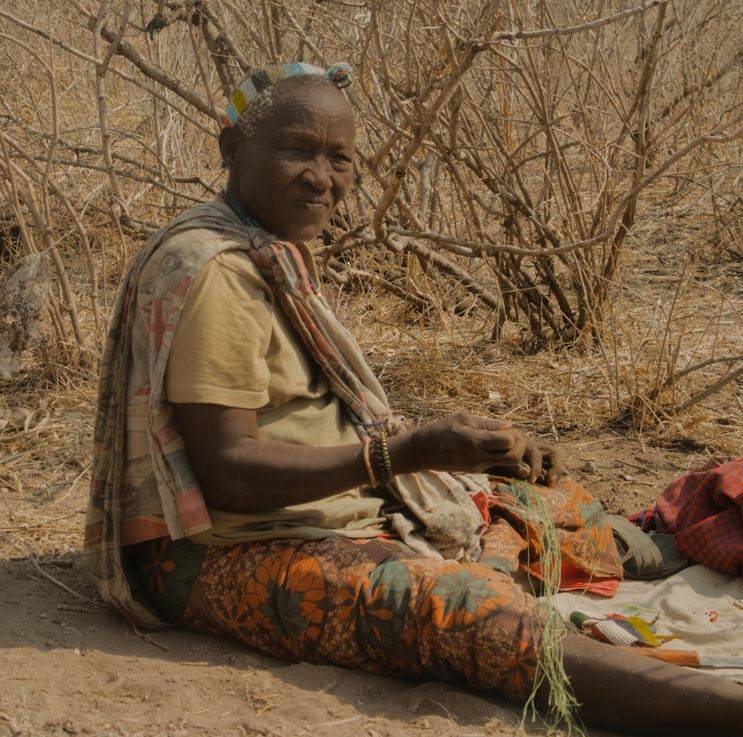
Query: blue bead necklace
[(239, 210)]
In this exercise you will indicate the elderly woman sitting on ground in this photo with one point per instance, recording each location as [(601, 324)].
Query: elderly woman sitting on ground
[(250, 481)]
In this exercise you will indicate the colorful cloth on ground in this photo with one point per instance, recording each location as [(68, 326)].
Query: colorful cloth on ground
[(704, 510), (702, 608), (142, 485), (373, 605)]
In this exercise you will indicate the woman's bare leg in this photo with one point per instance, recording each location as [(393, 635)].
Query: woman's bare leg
[(631, 693)]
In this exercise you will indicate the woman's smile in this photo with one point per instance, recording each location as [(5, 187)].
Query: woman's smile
[(312, 203)]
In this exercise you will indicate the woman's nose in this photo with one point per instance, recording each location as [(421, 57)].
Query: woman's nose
[(318, 173)]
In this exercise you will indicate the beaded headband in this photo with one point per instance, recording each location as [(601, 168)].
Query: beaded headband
[(341, 75)]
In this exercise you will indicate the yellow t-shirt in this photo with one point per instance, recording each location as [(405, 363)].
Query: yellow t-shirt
[(235, 348)]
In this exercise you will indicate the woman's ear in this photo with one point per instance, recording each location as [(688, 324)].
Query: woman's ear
[(229, 141)]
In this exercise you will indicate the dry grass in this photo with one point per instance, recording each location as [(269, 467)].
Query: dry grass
[(541, 146), (545, 142)]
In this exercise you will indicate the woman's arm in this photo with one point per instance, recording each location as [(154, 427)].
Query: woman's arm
[(238, 470)]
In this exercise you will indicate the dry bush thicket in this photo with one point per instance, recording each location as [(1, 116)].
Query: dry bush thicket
[(511, 156)]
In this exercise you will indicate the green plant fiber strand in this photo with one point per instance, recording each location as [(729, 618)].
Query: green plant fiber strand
[(562, 705)]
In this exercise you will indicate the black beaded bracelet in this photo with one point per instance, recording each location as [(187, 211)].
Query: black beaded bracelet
[(379, 457)]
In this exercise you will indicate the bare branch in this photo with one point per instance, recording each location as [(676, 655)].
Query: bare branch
[(580, 28)]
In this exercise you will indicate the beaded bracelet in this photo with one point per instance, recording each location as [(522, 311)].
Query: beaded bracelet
[(367, 462), (379, 457)]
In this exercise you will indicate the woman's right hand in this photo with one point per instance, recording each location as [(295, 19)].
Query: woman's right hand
[(464, 442)]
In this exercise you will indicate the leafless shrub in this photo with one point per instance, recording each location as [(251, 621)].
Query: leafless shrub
[(506, 150)]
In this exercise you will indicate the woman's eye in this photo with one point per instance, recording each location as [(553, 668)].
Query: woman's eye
[(293, 148)]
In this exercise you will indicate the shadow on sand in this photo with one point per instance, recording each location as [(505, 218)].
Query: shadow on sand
[(40, 620)]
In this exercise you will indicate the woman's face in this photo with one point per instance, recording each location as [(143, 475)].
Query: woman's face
[(294, 170)]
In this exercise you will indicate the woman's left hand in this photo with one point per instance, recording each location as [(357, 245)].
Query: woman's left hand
[(540, 464)]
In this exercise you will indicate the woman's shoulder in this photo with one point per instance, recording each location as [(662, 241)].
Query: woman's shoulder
[(239, 262), (202, 251), (196, 253), (196, 235), (233, 271)]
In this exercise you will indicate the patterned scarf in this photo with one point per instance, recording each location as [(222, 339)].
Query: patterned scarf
[(136, 422)]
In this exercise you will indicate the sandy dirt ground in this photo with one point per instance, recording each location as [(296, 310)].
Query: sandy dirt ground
[(69, 667)]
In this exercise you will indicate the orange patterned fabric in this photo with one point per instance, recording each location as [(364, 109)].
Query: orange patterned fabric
[(369, 604), (379, 606), (589, 559)]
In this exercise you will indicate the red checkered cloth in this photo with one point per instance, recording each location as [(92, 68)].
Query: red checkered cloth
[(704, 510)]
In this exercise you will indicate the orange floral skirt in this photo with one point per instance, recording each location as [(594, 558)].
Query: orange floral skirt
[(375, 604)]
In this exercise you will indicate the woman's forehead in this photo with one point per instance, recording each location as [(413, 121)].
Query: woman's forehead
[(311, 109)]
